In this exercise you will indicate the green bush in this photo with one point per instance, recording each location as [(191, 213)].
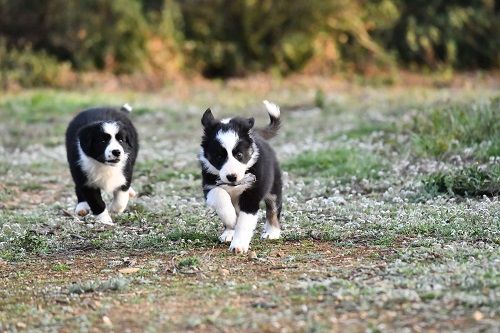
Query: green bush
[(91, 34), (469, 182), (455, 33), (29, 68), (221, 38), (451, 128)]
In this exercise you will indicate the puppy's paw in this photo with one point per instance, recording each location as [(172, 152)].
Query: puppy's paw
[(226, 236), (118, 207), (104, 218), (239, 246), (82, 208), (271, 233), (132, 193)]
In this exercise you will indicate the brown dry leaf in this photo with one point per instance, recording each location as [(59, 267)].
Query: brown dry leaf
[(252, 255), (107, 321), (128, 270), (478, 316)]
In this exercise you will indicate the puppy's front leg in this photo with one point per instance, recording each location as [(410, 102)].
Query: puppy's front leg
[(243, 232), (220, 201), (97, 205), (120, 200)]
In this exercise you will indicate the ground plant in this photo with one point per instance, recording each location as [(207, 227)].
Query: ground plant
[(391, 216)]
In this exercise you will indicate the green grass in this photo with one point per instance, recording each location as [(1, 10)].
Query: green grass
[(450, 128), (341, 163), (189, 262), (471, 181), (61, 267), (112, 284), (353, 247)]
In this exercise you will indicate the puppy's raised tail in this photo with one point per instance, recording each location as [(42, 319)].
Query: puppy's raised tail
[(271, 130), (126, 108)]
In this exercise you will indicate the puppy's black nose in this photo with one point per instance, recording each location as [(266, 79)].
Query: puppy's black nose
[(116, 152), (231, 177)]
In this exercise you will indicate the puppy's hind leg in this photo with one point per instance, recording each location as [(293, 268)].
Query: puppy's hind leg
[(220, 201), (272, 228)]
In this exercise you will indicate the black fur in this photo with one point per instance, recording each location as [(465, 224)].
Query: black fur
[(266, 169), (86, 128)]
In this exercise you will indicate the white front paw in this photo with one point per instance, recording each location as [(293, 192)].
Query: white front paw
[(117, 207), (120, 201), (271, 233), (226, 236), (104, 218), (239, 246), (82, 208), (132, 193)]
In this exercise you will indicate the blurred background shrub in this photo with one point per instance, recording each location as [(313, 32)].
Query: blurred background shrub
[(224, 38)]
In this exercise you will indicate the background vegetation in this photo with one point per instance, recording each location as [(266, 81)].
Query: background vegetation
[(224, 38)]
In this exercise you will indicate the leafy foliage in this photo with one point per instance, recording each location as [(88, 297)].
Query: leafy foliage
[(442, 130), (471, 181), (221, 38)]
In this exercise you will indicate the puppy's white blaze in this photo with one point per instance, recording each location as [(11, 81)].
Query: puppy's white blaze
[(220, 201), (243, 232), (226, 120), (104, 218), (112, 128), (270, 232), (206, 163), (229, 140), (100, 175), (120, 201), (272, 108)]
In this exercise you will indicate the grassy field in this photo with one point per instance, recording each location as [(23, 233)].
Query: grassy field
[(391, 216)]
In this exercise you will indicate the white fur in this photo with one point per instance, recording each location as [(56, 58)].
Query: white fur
[(226, 120), (270, 232), (127, 107), (112, 128), (104, 218), (220, 201), (227, 236), (206, 163), (255, 155), (132, 193), (272, 108), (120, 201), (243, 232), (235, 192), (82, 208), (100, 175), (228, 140)]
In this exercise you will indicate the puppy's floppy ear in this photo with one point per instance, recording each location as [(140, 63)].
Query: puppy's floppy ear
[(208, 118), (249, 122), (86, 135)]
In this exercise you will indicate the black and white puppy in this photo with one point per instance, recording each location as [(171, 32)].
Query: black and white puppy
[(239, 170), (101, 146)]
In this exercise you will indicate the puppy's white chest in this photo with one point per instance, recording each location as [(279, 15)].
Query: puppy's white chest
[(107, 178)]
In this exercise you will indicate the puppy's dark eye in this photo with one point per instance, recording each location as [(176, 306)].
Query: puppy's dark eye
[(239, 156)]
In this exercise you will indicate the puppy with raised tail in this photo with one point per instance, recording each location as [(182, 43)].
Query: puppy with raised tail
[(102, 146), (239, 170)]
